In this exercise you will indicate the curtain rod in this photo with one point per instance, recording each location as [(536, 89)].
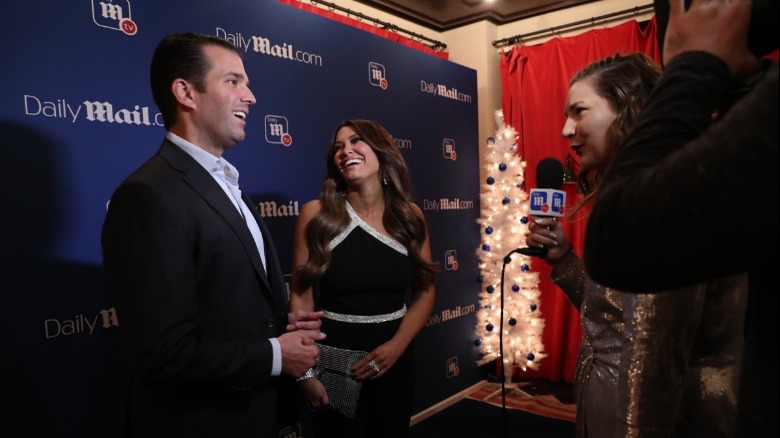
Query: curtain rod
[(433, 44), (514, 39)]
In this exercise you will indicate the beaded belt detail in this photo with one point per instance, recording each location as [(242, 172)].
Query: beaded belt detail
[(366, 319)]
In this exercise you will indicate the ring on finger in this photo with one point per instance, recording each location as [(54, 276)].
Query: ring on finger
[(374, 367)]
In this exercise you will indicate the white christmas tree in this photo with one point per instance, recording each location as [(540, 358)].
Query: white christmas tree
[(511, 305)]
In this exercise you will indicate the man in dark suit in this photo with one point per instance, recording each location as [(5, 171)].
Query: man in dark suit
[(192, 270)]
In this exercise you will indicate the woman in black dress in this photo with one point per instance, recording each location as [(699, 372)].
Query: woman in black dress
[(362, 254)]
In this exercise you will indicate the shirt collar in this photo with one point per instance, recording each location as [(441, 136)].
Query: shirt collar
[(215, 165)]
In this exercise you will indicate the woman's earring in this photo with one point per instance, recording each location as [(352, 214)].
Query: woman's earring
[(385, 182)]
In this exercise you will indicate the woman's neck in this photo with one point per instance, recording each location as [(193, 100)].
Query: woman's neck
[(367, 204)]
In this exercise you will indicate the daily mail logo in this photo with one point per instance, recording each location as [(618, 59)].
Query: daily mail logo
[(277, 130), (451, 260), (80, 324), (453, 369), (448, 145), (450, 314), (101, 111), (115, 15), (442, 90), (547, 202), (377, 75)]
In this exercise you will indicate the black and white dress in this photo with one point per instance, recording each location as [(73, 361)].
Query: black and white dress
[(364, 292)]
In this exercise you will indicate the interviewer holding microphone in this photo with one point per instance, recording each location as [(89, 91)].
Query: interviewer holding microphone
[(644, 360)]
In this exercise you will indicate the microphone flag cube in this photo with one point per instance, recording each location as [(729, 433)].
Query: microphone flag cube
[(547, 202)]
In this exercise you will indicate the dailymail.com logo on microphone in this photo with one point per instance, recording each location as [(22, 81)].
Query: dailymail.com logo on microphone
[(547, 202)]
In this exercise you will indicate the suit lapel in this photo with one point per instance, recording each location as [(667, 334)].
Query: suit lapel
[(271, 259), (205, 185)]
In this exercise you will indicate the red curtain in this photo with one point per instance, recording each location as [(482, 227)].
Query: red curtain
[(535, 81), (367, 27)]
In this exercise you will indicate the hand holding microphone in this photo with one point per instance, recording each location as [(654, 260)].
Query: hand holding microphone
[(546, 204), (548, 238)]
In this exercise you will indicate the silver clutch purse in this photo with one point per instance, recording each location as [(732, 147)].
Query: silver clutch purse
[(334, 370)]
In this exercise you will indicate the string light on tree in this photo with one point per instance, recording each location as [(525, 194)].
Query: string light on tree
[(504, 224)]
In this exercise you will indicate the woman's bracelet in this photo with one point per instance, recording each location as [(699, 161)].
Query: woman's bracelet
[(307, 375)]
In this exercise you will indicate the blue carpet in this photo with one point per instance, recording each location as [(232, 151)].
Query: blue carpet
[(470, 418)]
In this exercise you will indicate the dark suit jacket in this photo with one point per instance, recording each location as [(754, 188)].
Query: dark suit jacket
[(195, 305)]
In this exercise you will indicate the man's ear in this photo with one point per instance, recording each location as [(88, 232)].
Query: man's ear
[(184, 92)]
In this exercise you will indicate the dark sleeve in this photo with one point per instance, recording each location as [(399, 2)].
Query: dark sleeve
[(686, 199)]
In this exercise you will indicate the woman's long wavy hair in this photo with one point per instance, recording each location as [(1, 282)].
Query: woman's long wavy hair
[(400, 219), (625, 81)]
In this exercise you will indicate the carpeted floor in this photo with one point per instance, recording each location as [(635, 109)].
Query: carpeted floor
[(537, 407)]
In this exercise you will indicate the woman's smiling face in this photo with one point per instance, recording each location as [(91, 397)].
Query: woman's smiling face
[(353, 157)]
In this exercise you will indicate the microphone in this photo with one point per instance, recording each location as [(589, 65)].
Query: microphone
[(548, 200)]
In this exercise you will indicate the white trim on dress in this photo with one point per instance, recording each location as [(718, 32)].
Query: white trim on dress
[(357, 221)]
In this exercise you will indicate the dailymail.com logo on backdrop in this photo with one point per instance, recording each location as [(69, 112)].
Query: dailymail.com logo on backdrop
[(451, 260), (102, 111), (81, 324), (115, 15), (277, 130), (377, 76), (453, 369), (448, 149)]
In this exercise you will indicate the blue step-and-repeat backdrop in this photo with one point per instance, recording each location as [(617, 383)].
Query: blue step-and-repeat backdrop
[(77, 116)]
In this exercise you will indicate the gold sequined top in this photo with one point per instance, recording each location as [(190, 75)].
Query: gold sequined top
[(656, 365)]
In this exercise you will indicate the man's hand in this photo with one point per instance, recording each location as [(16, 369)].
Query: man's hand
[(299, 352), (719, 27)]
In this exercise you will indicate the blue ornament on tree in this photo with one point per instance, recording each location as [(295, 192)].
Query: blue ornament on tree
[(524, 220), (477, 342), (515, 288), (508, 259), (524, 268), (488, 230), (489, 327), (512, 322), (490, 289), (502, 167), (533, 307), (486, 247), (505, 201), (491, 180), (480, 278), (530, 356)]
